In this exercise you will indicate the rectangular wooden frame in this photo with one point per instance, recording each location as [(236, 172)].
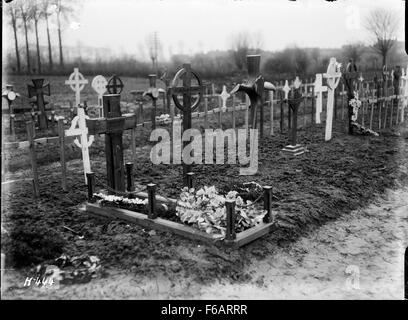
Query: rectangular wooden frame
[(242, 238)]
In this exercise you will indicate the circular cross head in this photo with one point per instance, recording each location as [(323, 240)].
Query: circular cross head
[(79, 81), (11, 96), (178, 76), (114, 84), (99, 84)]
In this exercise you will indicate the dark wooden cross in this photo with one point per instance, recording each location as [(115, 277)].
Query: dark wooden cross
[(113, 126), (349, 77), (187, 90), (115, 85), (294, 100), (38, 90), (153, 93), (254, 88)]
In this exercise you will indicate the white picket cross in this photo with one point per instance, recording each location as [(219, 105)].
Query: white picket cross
[(79, 128), (404, 93), (333, 76), (286, 89), (318, 92), (224, 97), (99, 85), (77, 82)]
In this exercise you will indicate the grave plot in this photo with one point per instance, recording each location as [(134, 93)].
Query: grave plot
[(113, 126)]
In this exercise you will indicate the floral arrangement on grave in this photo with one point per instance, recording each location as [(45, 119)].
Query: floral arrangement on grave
[(163, 118), (205, 210), (355, 103), (119, 201)]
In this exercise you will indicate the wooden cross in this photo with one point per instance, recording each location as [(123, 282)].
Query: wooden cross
[(78, 128), (255, 89), (186, 73), (294, 101), (10, 95), (349, 78), (99, 85), (38, 90), (77, 83), (115, 85), (318, 91), (286, 89), (404, 94), (113, 125), (153, 93), (332, 76), (224, 97)]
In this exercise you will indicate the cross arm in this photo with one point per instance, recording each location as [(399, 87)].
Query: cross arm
[(111, 125), (182, 90)]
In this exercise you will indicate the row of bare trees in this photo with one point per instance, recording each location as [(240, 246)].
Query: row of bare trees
[(26, 14)]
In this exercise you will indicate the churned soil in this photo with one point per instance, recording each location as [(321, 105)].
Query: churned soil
[(330, 181)]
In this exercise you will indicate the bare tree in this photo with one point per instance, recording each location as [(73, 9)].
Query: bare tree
[(36, 14), (46, 12), (244, 43), (240, 44), (64, 9), (153, 48), (13, 10), (353, 51), (25, 14), (382, 24)]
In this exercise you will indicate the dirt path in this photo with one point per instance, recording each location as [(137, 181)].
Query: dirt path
[(358, 256)]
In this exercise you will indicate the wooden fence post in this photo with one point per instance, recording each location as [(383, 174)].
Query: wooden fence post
[(230, 208), (61, 134), (129, 176), (33, 157), (12, 126), (271, 108), (233, 112), (268, 203), (133, 144), (219, 112), (189, 179), (205, 112), (151, 191), (90, 177)]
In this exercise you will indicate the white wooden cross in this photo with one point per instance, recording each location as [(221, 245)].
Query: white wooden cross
[(82, 132), (318, 92), (99, 85), (286, 89), (77, 82), (333, 76), (297, 83), (404, 93), (224, 97)]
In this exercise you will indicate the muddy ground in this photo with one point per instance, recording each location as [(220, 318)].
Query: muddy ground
[(330, 181)]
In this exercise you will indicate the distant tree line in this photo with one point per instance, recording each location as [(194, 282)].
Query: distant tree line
[(24, 15)]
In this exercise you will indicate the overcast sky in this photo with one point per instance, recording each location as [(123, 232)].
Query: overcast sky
[(189, 26)]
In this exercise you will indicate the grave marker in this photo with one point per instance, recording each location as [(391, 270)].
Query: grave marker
[(186, 73), (77, 83), (113, 125), (152, 93), (79, 128), (99, 85), (318, 91), (255, 89), (294, 101), (115, 85), (349, 77), (404, 94), (38, 90), (332, 76)]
